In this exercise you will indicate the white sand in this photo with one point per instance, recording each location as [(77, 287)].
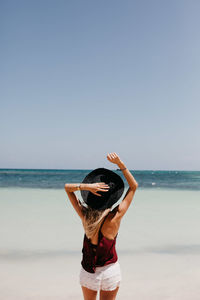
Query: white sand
[(145, 277)]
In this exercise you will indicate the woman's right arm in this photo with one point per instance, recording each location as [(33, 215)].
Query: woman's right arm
[(124, 205)]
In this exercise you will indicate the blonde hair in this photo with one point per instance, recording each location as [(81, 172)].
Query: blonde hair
[(92, 220)]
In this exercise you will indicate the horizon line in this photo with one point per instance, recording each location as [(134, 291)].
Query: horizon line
[(117, 169)]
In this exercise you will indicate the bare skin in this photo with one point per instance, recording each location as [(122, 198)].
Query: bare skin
[(112, 222), (104, 295)]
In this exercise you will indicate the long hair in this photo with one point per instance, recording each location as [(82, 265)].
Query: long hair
[(92, 220)]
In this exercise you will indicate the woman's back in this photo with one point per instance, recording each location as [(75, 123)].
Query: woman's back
[(109, 227), (99, 250)]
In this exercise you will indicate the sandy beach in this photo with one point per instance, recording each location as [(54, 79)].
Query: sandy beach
[(145, 277)]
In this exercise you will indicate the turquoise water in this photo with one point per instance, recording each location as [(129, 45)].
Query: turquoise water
[(35, 221)]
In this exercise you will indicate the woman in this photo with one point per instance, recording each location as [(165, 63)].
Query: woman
[(100, 268)]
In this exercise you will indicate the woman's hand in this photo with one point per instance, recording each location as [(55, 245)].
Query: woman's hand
[(114, 158), (98, 187)]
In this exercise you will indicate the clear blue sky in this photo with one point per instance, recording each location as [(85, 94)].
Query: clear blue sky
[(80, 79)]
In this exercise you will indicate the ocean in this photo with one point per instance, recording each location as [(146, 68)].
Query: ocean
[(55, 179), (41, 236)]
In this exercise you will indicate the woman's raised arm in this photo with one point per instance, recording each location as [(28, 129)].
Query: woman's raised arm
[(124, 205), (114, 158)]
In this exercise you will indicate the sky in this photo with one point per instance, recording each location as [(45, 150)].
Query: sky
[(80, 79)]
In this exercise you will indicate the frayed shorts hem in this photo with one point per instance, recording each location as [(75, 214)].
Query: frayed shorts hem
[(101, 289), (106, 278)]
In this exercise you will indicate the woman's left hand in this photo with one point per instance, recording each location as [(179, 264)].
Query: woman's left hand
[(98, 187)]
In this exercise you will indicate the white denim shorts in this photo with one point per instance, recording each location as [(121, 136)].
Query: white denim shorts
[(106, 278)]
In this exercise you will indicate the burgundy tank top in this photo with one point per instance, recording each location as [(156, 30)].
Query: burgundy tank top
[(99, 255)]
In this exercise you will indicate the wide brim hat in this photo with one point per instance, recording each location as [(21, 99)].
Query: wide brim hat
[(107, 199)]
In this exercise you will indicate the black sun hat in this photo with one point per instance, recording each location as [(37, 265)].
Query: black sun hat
[(107, 199)]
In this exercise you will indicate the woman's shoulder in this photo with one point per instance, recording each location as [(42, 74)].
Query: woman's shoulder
[(112, 216), (114, 210), (114, 213), (111, 225)]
